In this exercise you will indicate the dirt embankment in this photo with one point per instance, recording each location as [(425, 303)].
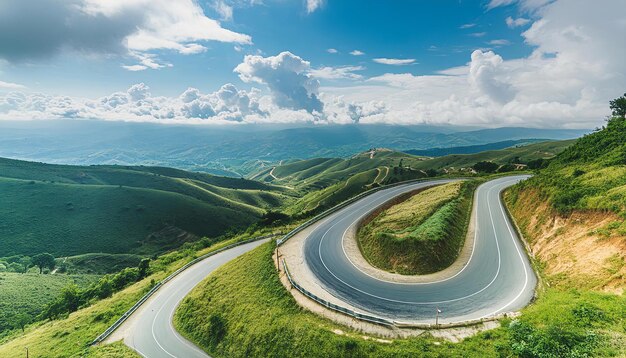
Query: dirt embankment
[(580, 250)]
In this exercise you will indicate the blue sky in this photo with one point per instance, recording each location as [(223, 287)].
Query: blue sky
[(490, 62), (428, 31)]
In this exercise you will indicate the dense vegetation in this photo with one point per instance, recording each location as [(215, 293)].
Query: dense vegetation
[(242, 310), (422, 234), (71, 210)]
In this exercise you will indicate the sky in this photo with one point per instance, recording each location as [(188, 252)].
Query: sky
[(491, 63)]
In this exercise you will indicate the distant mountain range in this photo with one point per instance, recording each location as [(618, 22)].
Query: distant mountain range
[(234, 150)]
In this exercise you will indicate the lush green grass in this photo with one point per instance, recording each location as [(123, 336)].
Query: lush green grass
[(590, 174), (71, 210), (28, 294), (422, 234), (69, 337), (242, 310)]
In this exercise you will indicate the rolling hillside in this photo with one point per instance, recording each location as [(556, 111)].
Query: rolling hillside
[(572, 212), (520, 154), (70, 210)]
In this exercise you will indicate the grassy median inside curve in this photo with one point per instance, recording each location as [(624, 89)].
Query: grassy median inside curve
[(422, 234)]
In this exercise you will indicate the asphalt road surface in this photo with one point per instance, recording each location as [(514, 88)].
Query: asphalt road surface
[(497, 278), (152, 333)]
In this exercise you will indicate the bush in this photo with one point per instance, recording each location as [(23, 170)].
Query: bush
[(485, 167)]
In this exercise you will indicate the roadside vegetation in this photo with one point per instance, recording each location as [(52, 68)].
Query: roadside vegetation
[(422, 234), (243, 310), (81, 317), (575, 208)]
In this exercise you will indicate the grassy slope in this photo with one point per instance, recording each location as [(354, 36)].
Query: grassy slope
[(29, 293), (69, 210), (575, 209), (69, 337), (322, 172), (526, 153), (242, 310), (591, 174), (421, 235)]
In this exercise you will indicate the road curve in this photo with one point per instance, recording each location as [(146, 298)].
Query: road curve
[(151, 332), (497, 278)]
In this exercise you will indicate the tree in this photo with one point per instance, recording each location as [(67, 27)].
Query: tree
[(43, 260), (618, 106), (485, 167), (21, 320), (144, 266)]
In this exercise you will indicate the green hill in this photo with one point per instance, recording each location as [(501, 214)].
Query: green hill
[(590, 174), (520, 155), (70, 210)]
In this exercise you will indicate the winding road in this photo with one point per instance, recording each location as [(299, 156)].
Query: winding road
[(151, 332), (497, 277)]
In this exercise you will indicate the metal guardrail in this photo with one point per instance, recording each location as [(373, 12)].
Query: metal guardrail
[(332, 306), (384, 321), (158, 285), (343, 205)]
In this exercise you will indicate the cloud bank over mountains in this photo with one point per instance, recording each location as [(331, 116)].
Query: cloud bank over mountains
[(576, 66)]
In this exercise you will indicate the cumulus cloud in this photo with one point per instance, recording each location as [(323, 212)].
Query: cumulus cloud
[(226, 105), (467, 26), (357, 53), (395, 61), (287, 77), (40, 29), (332, 50), (575, 68), (485, 73)]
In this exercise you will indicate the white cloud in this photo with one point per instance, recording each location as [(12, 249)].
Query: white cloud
[(513, 23), (11, 86), (332, 50), (312, 5), (225, 10), (135, 68), (467, 26), (288, 78), (576, 67), (395, 61), (499, 42), (357, 53), (487, 74), (40, 29), (497, 3), (337, 73)]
